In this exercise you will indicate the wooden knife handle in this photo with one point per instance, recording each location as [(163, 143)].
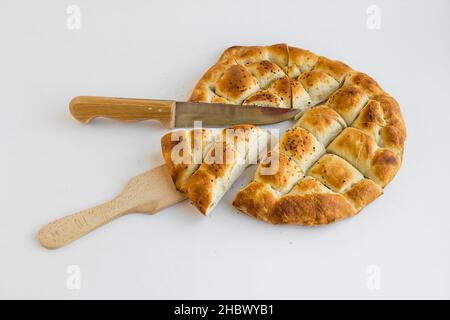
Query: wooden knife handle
[(69, 228), (85, 108)]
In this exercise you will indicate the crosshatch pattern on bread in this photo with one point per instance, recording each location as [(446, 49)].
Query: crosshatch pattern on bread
[(345, 147), (204, 163)]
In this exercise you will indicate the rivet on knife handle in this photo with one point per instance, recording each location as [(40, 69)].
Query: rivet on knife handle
[(85, 108)]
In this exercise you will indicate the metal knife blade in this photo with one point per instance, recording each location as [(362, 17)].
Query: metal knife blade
[(218, 114)]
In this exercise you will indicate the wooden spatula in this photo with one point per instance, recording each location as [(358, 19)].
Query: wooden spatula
[(148, 192)]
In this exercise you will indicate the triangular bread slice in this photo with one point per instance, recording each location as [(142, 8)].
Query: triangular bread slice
[(204, 163)]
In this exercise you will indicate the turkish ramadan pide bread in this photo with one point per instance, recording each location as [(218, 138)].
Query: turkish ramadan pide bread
[(204, 163), (345, 147)]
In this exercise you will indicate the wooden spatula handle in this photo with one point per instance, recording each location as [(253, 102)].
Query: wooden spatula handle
[(148, 192), (69, 228), (85, 108)]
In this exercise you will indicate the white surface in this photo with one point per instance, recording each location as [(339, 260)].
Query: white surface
[(51, 166)]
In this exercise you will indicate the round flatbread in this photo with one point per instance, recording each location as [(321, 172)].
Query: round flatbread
[(346, 146)]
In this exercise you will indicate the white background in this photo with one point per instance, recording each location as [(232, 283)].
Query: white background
[(51, 166)]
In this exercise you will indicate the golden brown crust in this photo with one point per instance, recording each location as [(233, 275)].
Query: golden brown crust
[(236, 84), (277, 95), (300, 60), (348, 102), (204, 91), (247, 75), (300, 97), (312, 209), (323, 122), (363, 193), (335, 173), (364, 82), (304, 208), (178, 171), (203, 163), (301, 146), (277, 53), (201, 187), (285, 177), (257, 199), (339, 155), (183, 151), (310, 203), (333, 68), (318, 84), (361, 150)]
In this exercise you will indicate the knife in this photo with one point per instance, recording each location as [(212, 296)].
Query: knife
[(175, 114), (148, 192)]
